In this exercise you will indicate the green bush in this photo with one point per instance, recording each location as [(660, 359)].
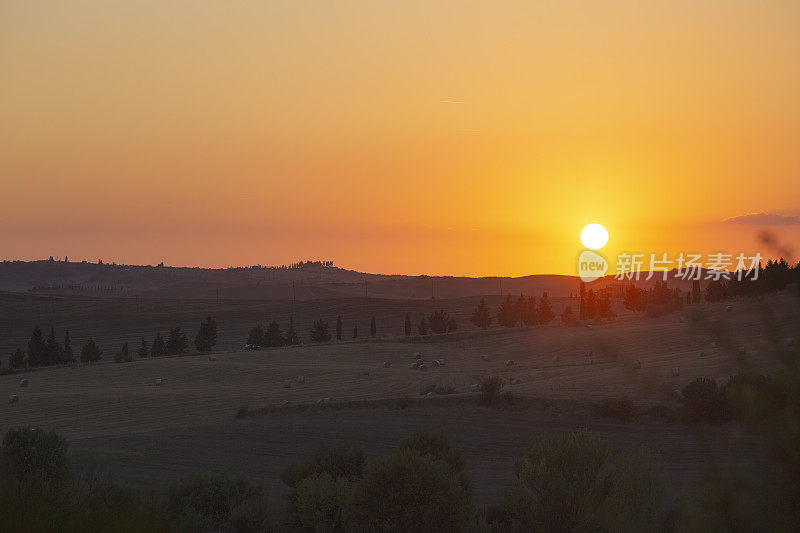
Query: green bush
[(616, 408), (490, 389), (208, 500), (703, 401), (752, 396), (634, 493), (35, 460), (559, 483), (409, 492), (320, 502), (340, 462)]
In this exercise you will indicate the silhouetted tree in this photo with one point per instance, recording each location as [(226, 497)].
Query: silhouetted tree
[(291, 334), (407, 325), (528, 312), (36, 348), (274, 334), (143, 348), (440, 322), (256, 336), (423, 327), (697, 296), (520, 308), (481, 317), (634, 298), (568, 317), (339, 328), (158, 348), (67, 354), (91, 353), (507, 313), (206, 337), (176, 342), (123, 356), (582, 310), (545, 312), (16, 359), (319, 332), (355, 331), (52, 349), (373, 328)]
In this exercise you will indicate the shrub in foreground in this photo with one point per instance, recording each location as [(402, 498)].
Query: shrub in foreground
[(409, 492)]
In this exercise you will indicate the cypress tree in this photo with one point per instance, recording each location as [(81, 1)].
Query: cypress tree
[(67, 354), (36, 348)]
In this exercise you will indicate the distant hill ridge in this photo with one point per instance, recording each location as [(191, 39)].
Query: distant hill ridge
[(301, 281)]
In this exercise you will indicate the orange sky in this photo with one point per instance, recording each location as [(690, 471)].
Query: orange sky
[(402, 137)]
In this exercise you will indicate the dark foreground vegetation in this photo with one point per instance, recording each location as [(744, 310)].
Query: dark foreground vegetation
[(565, 482)]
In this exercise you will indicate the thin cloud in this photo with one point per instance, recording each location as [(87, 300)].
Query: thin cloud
[(765, 219), (450, 102)]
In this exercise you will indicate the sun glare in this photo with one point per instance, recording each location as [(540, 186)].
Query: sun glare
[(594, 236)]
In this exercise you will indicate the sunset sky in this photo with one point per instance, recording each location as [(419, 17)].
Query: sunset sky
[(463, 138)]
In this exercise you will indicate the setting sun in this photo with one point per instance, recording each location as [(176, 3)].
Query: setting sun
[(594, 236)]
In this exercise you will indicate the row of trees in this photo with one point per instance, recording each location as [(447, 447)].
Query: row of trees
[(522, 312), (49, 351), (272, 335)]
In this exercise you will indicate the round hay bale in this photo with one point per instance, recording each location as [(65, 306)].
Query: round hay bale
[(286, 383), (301, 379), (590, 361), (514, 380), (474, 387), (422, 367), (556, 359), (417, 355), (729, 308), (159, 381), (365, 372), (13, 399), (23, 383), (212, 357), (588, 353), (676, 394), (484, 357), (700, 354), (637, 364), (713, 344), (386, 364), (284, 403), (429, 393), (675, 372), (509, 362), (590, 327)]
